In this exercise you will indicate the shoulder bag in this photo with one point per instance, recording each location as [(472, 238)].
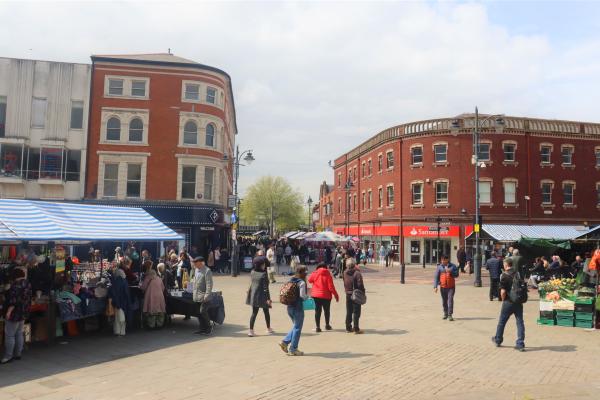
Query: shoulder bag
[(358, 296)]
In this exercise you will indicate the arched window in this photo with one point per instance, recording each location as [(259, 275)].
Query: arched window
[(190, 133), (113, 129), (210, 135), (136, 130)]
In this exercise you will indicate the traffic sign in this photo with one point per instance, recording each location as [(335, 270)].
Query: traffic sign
[(476, 228), (231, 201)]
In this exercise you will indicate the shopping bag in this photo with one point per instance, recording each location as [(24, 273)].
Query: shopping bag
[(308, 304)]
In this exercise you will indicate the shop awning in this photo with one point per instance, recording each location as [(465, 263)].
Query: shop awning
[(289, 234), (55, 221), (514, 233)]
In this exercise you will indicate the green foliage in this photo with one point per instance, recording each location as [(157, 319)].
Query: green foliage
[(276, 194)]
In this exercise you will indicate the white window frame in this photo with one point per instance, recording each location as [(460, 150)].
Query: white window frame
[(412, 193), (370, 199), (201, 120), (435, 186), (127, 91), (370, 167), (41, 124), (433, 147), (214, 96), (125, 116), (485, 182), (203, 93), (380, 162), (195, 182), (211, 184), (127, 180), (387, 195), (573, 185), (380, 197), (387, 159), (571, 149), (512, 143), (511, 181), (116, 180), (489, 152), (122, 158), (551, 147), (542, 184), (412, 157), (135, 81)]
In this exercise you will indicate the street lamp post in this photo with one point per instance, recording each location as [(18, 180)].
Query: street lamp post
[(310, 203), (235, 255), (478, 164)]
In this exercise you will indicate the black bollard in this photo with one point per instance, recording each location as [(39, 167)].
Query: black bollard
[(402, 272)]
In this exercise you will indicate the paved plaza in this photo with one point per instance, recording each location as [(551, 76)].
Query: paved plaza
[(407, 352)]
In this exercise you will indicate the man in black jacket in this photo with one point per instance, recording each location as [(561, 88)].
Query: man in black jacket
[(352, 280), (494, 265), (509, 308)]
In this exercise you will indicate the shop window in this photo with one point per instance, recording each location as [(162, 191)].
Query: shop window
[(546, 193), (138, 88), (190, 133), (380, 197), (11, 160), (390, 196), (51, 163), (417, 193), (38, 113), (210, 135), (136, 130), (510, 192), (134, 180), (2, 116), (440, 152), (568, 191), (188, 182), (509, 151), (545, 154), (484, 152), (211, 94), (485, 192), (192, 92), (111, 180), (115, 87), (33, 163), (441, 192), (370, 167), (390, 159), (209, 177), (113, 129), (380, 162), (566, 153), (416, 155), (415, 251), (76, 115), (73, 165)]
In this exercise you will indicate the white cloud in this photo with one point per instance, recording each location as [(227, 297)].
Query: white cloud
[(313, 80)]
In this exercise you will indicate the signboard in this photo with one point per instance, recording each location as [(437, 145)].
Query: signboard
[(231, 201), (233, 234), (476, 228), (430, 231)]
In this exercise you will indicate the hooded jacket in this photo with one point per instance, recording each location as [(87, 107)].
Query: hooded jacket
[(353, 280), (322, 282)]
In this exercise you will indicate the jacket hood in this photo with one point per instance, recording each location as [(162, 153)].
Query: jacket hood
[(350, 271), (321, 271)]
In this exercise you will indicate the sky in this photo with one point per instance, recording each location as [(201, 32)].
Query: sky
[(312, 80)]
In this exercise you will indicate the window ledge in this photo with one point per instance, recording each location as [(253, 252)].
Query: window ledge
[(389, 207), (417, 206), (115, 142), (11, 179), (513, 163), (127, 97), (380, 172), (490, 205), (441, 205), (544, 165), (441, 164), (51, 182), (390, 169), (566, 206), (547, 205), (487, 162), (568, 166), (416, 166), (506, 205)]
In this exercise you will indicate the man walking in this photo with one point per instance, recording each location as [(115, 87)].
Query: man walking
[(352, 280), (512, 303), (494, 265), (444, 278), (461, 256), (202, 284), (518, 262)]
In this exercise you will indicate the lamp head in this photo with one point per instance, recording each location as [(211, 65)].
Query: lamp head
[(249, 157), (309, 201)]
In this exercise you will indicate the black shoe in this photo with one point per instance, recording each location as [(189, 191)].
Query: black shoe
[(318, 330), (328, 327), (491, 299), (17, 358), (349, 330), (445, 317), (495, 343), (521, 349)]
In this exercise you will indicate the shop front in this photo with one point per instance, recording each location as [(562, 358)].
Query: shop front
[(425, 246)]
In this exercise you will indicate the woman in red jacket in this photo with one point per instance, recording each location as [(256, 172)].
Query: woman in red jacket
[(322, 290)]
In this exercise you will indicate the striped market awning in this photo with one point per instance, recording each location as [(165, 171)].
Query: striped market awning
[(55, 221)]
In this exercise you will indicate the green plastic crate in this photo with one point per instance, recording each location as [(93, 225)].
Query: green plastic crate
[(584, 316), (584, 300), (583, 324), (564, 313), (544, 321), (565, 322)]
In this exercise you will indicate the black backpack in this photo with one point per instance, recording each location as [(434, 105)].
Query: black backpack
[(518, 290)]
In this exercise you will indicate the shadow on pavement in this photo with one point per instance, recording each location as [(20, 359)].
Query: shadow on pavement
[(567, 348), (385, 332), (345, 354)]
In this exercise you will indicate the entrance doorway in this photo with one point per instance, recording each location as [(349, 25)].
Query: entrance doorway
[(431, 256)]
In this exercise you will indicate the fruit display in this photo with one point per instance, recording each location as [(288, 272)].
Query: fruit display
[(563, 287)]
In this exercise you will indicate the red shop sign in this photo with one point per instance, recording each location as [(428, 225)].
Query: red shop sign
[(430, 231)]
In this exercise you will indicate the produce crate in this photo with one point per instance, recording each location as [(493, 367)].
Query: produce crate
[(564, 314), (584, 324), (547, 315), (565, 322), (584, 316), (584, 300), (545, 321), (586, 308)]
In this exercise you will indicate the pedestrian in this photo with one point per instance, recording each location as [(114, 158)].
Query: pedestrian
[(210, 262), (166, 275), (18, 303), (155, 308), (120, 299), (322, 291), (202, 284), (272, 262), (258, 296), (518, 262), (217, 256), (353, 280), (445, 274), (461, 257), (290, 342), (494, 266), (382, 255), (510, 306)]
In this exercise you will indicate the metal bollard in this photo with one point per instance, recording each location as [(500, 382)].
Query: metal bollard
[(402, 272)]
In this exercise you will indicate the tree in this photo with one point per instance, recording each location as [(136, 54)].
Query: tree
[(272, 202)]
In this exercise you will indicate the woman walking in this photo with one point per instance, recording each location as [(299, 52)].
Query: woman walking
[(296, 313), (322, 291), (118, 293), (352, 280), (259, 297), (18, 302)]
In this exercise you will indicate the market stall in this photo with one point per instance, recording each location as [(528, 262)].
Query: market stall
[(40, 237), (569, 302)]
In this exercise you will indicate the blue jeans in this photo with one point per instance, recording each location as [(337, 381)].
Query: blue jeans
[(507, 310), (447, 300), (296, 313), (13, 340)]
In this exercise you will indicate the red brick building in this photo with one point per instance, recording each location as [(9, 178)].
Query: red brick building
[(535, 172), (160, 128)]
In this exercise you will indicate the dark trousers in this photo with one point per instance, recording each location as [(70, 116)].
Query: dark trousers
[(255, 313), (507, 310), (447, 300), (494, 288), (203, 318), (461, 266), (322, 304), (352, 314)]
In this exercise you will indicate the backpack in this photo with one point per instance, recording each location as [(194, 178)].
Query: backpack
[(289, 293), (518, 290)]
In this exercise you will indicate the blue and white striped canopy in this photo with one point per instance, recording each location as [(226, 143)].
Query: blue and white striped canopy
[(43, 221)]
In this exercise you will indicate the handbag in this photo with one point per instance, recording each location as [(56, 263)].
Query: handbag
[(358, 296), (308, 304)]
